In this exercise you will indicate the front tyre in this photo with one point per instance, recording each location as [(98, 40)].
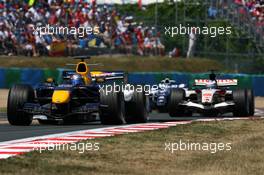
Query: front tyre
[(176, 97), (251, 102), (111, 110), (136, 108), (241, 108), (17, 97)]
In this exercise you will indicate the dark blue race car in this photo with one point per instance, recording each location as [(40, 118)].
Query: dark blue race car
[(162, 96), (80, 97)]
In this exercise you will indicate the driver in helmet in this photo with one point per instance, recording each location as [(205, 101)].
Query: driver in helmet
[(167, 81), (77, 80), (211, 84)]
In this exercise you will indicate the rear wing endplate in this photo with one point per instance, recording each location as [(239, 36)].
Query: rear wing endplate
[(220, 82)]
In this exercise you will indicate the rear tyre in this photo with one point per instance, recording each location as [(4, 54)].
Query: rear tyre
[(17, 97), (177, 96), (251, 102), (241, 108), (111, 109), (136, 108)]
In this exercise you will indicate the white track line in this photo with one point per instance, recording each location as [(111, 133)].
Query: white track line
[(122, 130), (137, 129), (91, 135), (5, 156), (99, 130), (14, 150), (31, 145)]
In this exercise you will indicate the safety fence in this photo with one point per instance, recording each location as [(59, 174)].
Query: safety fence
[(10, 76)]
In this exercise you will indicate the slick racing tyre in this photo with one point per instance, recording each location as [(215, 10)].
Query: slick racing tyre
[(136, 109), (241, 108), (17, 97), (111, 110), (251, 102), (177, 96)]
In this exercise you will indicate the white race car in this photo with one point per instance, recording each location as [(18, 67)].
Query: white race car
[(212, 97)]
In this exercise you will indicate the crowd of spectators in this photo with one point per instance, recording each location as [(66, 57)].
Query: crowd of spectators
[(256, 10), (252, 12), (19, 20)]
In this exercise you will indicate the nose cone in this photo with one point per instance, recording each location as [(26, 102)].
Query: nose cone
[(61, 96)]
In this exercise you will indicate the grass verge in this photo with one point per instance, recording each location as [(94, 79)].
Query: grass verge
[(144, 153), (130, 64)]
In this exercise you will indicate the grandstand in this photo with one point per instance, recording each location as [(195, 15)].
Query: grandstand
[(20, 21), (248, 15), (127, 29)]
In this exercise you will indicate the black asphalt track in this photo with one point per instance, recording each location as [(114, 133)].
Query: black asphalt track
[(9, 132)]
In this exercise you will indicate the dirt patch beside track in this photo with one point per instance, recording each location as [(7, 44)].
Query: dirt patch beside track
[(3, 98), (259, 102)]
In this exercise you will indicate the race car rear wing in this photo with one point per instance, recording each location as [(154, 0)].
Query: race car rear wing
[(105, 75), (220, 82), (108, 75)]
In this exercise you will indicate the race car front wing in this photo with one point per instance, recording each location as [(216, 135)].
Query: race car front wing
[(50, 111), (221, 107)]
